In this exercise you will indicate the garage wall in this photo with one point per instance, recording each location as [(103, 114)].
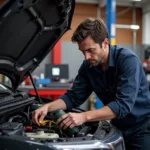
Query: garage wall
[(123, 36), (82, 11), (41, 68), (72, 56)]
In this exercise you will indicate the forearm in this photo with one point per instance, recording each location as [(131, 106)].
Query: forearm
[(104, 113), (57, 104)]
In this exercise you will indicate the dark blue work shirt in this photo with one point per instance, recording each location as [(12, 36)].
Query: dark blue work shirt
[(123, 87)]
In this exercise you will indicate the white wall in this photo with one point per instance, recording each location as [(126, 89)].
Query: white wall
[(146, 23)]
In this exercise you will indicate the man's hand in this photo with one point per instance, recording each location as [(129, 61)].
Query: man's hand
[(76, 119), (39, 114), (71, 120)]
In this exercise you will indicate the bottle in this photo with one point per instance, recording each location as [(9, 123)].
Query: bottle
[(69, 131)]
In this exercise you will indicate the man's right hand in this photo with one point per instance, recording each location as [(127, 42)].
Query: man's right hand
[(39, 114)]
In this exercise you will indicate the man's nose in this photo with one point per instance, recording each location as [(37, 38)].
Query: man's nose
[(87, 56)]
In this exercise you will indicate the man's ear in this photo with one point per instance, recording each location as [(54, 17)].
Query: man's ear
[(105, 43)]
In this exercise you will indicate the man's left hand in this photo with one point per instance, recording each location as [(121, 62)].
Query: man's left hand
[(71, 120)]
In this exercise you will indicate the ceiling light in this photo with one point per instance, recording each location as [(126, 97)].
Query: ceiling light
[(135, 27), (125, 26), (136, 0)]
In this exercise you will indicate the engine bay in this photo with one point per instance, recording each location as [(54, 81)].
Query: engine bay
[(17, 128), (19, 122)]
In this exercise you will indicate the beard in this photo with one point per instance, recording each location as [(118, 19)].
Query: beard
[(96, 62), (93, 62)]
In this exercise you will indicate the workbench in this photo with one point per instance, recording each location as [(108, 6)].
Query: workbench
[(51, 92)]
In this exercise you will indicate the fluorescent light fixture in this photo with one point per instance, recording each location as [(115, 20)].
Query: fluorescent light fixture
[(135, 27), (136, 0), (125, 26)]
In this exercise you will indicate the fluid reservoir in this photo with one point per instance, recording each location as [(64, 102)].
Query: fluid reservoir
[(42, 135)]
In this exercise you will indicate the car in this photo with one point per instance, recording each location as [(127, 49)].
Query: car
[(29, 29)]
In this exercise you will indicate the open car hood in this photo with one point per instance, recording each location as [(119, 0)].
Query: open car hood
[(29, 29)]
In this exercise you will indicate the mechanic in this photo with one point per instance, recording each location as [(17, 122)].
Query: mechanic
[(117, 77)]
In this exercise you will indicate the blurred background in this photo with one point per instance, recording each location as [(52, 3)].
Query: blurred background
[(126, 13), (128, 23)]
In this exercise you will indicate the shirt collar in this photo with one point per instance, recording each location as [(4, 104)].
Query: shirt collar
[(111, 61)]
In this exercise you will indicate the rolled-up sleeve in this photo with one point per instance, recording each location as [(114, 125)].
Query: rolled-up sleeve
[(127, 86), (80, 90)]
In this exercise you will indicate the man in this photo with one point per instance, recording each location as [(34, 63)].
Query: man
[(117, 77)]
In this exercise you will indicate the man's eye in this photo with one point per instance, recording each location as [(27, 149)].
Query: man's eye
[(91, 50)]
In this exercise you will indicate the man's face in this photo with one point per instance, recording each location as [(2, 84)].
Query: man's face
[(92, 51)]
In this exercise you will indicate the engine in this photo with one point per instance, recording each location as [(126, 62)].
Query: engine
[(20, 123), (17, 128)]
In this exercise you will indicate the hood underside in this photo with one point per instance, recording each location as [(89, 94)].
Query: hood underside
[(29, 29)]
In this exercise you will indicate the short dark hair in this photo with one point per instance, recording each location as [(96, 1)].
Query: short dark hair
[(95, 28)]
